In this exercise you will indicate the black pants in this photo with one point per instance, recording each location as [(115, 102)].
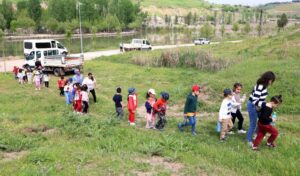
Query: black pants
[(161, 122), (46, 83), (238, 115), (94, 95), (61, 93), (85, 107)]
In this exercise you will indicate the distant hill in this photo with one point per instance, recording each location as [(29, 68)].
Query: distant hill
[(292, 9)]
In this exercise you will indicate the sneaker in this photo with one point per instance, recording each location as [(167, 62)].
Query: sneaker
[(250, 144), (271, 145), (194, 133), (255, 148), (242, 131), (180, 127), (230, 132), (222, 140)]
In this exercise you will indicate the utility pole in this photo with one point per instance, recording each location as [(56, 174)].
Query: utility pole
[(260, 22), (81, 42)]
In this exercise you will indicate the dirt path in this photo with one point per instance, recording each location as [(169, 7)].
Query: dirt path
[(18, 61)]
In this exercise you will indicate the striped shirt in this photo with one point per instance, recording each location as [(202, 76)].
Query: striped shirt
[(259, 95)]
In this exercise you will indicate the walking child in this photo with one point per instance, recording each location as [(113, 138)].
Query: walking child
[(190, 110), (117, 98), (77, 99), (132, 105), (264, 123), (37, 79), (21, 76), (160, 108), (150, 115), (225, 114), (61, 84), (85, 99), (46, 79), (29, 76), (68, 91), (237, 106)]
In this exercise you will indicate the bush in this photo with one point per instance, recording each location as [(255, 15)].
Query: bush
[(187, 58)]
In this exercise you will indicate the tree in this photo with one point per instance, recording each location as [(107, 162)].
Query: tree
[(22, 5), (167, 19), (188, 19), (235, 27), (23, 23), (62, 10), (7, 12), (2, 22), (176, 19), (282, 22), (222, 30), (35, 10), (52, 24), (207, 31), (247, 28)]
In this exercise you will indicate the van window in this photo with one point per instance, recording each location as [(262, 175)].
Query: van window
[(60, 46), (50, 52), (147, 42), (38, 54), (28, 45), (30, 56), (53, 44), (43, 45), (45, 53)]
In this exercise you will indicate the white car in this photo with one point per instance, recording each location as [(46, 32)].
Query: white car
[(201, 41), (136, 44)]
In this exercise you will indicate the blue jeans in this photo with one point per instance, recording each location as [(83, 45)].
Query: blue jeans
[(253, 116), (68, 98), (191, 122)]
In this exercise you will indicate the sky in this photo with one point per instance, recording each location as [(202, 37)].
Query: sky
[(246, 2)]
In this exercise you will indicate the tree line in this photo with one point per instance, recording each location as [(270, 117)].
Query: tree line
[(62, 16)]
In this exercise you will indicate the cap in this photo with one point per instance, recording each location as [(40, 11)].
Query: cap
[(196, 87), (152, 91), (131, 90), (227, 91)]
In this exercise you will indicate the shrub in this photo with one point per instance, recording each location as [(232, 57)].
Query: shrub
[(187, 58)]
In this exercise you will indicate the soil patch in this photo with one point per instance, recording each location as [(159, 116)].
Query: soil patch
[(8, 156), (40, 129)]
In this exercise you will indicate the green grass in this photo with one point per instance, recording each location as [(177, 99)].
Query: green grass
[(98, 144)]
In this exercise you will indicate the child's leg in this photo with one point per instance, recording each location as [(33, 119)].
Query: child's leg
[(273, 131), (85, 106), (224, 128), (193, 122), (79, 106), (233, 117), (241, 119), (67, 98), (229, 124), (260, 135), (131, 117), (252, 121), (148, 120)]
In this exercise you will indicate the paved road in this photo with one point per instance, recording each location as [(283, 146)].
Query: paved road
[(9, 64)]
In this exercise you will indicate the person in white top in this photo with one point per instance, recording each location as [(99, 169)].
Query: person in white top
[(85, 98), (237, 106), (90, 81), (29, 76), (46, 79), (20, 76), (225, 114)]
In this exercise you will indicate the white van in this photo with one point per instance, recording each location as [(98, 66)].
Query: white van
[(43, 44)]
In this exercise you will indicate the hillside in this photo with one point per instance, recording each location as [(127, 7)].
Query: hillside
[(291, 9), (39, 134)]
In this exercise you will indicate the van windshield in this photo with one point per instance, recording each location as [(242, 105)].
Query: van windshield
[(28, 45), (30, 56), (60, 46), (43, 45)]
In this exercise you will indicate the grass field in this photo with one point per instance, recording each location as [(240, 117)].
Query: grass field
[(39, 135)]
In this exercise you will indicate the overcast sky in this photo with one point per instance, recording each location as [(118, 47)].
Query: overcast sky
[(246, 2)]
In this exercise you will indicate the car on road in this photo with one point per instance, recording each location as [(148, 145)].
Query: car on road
[(136, 44), (201, 41)]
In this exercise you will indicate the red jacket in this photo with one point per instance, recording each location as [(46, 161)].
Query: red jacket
[(61, 83), (160, 105), (132, 102)]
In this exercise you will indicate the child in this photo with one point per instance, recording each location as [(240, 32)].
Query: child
[(77, 99), (160, 108), (37, 79), (21, 76), (150, 116), (46, 79), (264, 123), (132, 105), (190, 109), (68, 91), (117, 98), (85, 98), (225, 114), (237, 105), (61, 84), (16, 71), (29, 76)]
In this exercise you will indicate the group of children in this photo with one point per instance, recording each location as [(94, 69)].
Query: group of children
[(153, 106), (28, 75)]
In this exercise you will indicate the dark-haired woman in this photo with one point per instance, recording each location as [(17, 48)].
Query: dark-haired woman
[(256, 100), (90, 81)]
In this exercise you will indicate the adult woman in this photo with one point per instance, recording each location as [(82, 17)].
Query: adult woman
[(257, 98), (90, 81)]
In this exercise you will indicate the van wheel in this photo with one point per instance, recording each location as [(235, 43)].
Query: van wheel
[(64, 53), (56, 72), (61, 72)]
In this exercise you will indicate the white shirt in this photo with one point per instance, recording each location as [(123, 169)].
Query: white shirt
[(46, 78), (84, 96), (90, 83), (68, 88), (225, 109)]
